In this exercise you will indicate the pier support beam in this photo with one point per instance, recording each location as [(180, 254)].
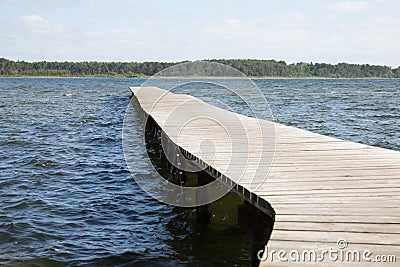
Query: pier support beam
[(260, 226), (203, 212)]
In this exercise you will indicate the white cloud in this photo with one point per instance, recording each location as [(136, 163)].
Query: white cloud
[(350, 6), (32, 19), (387, 21), (122, 36), (122, 33), (229, 28), (39, 25), (272, 29), (278, 36)]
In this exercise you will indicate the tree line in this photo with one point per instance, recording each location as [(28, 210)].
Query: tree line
[(250, 67)]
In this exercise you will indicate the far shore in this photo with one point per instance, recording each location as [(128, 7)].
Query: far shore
[(180, 77)]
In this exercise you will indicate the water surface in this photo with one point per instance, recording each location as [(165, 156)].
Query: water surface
[(67, 198)]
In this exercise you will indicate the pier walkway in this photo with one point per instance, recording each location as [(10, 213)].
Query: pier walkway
[(327, 193)]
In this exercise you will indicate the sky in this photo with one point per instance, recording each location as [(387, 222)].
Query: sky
[(356, 31)]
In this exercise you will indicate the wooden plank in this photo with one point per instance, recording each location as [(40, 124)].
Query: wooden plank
[(321, 236), (337, 227), (344, 211), (371, 219)]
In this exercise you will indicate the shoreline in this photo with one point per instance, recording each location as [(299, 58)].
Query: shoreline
[(198, 77)]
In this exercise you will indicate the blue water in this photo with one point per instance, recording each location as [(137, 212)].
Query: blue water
[(360, 110), (65, 193), (67, 198)]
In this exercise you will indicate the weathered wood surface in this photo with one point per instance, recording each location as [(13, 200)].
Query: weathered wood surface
[(322, 189)]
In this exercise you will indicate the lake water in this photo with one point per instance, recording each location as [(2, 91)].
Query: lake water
[(67, 198)]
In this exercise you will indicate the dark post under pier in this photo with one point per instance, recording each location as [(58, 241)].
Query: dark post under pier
[(260, 226), (181, 170), (203, 212)]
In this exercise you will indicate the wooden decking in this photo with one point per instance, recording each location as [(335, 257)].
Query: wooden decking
[(321, 188)]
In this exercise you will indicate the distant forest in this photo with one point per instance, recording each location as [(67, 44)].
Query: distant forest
[(250, 67)]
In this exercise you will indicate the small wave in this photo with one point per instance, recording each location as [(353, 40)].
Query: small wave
[(41, 163), (132, 259), (15, 143), (18, 205), (30, 262), (387, 116)]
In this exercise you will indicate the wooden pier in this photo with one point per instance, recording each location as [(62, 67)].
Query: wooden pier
[(325, 192)]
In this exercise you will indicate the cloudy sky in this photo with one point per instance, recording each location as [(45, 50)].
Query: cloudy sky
[(120, 30)]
